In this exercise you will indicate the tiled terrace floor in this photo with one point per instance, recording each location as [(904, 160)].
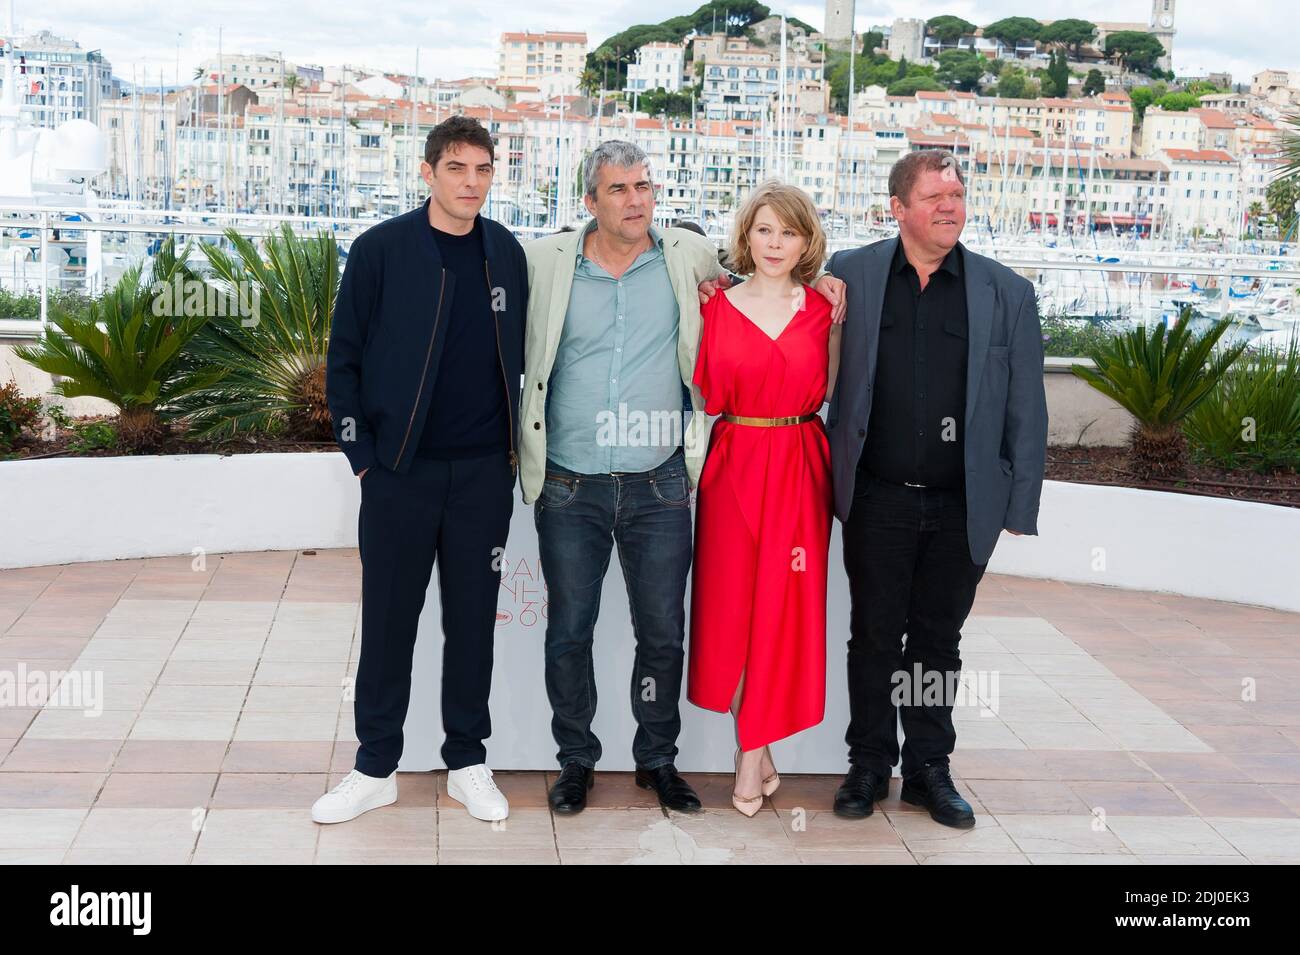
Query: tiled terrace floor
[(1121, 736)]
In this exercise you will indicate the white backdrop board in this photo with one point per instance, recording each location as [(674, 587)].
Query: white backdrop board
[(521, 716)]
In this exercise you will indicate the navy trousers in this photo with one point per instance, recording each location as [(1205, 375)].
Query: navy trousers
[(455, 513)]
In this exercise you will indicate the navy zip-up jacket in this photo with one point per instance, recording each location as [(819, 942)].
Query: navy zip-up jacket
[(388, 330)]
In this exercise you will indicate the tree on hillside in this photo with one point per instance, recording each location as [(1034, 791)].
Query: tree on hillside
[(1056, 80), (729, 16), (1094, 83), (961, 69), (1011, 30), (1199, 88), (1070, 33), (1013, 84), (910, 85), (1144, 96), (1178, 102), (949, 29), (869, 69), (1134, 50), (661, 102), (871, 41)]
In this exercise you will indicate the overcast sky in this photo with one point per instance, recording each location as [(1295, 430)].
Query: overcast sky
[(461, 39)]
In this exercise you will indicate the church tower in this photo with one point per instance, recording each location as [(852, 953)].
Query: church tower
[(839, 22), (1162, 27)]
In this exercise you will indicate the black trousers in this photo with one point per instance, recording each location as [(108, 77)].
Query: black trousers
[(910, 573), (457, 512)]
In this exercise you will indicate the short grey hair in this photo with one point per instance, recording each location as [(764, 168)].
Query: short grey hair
[(903, 174), (619, 152)]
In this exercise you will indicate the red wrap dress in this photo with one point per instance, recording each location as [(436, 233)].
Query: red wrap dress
[(763, 523)]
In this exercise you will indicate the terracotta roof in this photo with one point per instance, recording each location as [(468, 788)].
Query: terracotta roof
[(548, 35), (1213, 118), (1199, 155), (1035, 158)]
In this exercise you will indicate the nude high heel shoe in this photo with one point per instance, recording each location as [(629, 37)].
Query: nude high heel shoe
[(745, 805), (771, 783)]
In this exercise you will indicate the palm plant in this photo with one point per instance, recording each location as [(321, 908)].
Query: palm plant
[(1290, 148), (128, 348), (272, 348), (1159, 376), (1254, 212)]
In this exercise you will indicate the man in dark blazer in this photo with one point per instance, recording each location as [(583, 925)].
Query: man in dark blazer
[(938, 434)]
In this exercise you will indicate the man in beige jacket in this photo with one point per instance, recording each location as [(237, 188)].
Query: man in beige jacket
[(613, 440)]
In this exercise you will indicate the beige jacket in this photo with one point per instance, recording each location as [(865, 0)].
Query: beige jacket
[(690, 258)]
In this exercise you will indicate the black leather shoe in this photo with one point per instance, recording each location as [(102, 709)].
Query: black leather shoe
[(931, 786), (569, 794), (674, 792), (858, 794)]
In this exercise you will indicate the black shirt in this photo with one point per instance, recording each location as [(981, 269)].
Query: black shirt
[(916, 432), (467, 414)]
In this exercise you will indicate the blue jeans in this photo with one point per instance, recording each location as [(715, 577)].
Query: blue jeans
[(579, 517)]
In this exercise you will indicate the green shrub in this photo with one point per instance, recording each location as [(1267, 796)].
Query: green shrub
[(93, 436), (1252, 417), (28, 304), (1066, 337), (17, 414)]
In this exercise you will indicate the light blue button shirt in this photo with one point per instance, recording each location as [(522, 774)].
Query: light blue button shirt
[(615, 401)]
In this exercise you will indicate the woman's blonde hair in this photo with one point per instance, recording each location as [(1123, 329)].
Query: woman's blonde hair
[(795, 210)]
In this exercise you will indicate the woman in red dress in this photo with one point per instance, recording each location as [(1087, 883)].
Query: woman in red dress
[(767, 360)]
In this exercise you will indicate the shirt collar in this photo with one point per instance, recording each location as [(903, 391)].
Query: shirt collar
[(655, 237), (951, 262)]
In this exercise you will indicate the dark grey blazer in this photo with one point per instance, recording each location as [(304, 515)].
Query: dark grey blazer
[(1006, 406)]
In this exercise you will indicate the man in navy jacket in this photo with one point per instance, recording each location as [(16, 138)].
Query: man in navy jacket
[(425, 361)]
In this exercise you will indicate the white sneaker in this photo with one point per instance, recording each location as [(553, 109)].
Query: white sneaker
[(473, 788), (357, 793)]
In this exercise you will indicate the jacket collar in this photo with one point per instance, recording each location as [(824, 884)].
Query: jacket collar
[(419, 222), (656, 237)]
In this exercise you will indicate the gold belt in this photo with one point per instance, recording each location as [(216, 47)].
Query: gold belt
[(767, 422)]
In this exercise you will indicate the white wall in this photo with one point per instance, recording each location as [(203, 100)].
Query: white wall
[(64, 510)]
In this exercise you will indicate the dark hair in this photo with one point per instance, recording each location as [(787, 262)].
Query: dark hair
[(457, 129), (903, 174), (692, 226)]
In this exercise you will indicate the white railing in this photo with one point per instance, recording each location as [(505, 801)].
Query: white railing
[(1128, 278)]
